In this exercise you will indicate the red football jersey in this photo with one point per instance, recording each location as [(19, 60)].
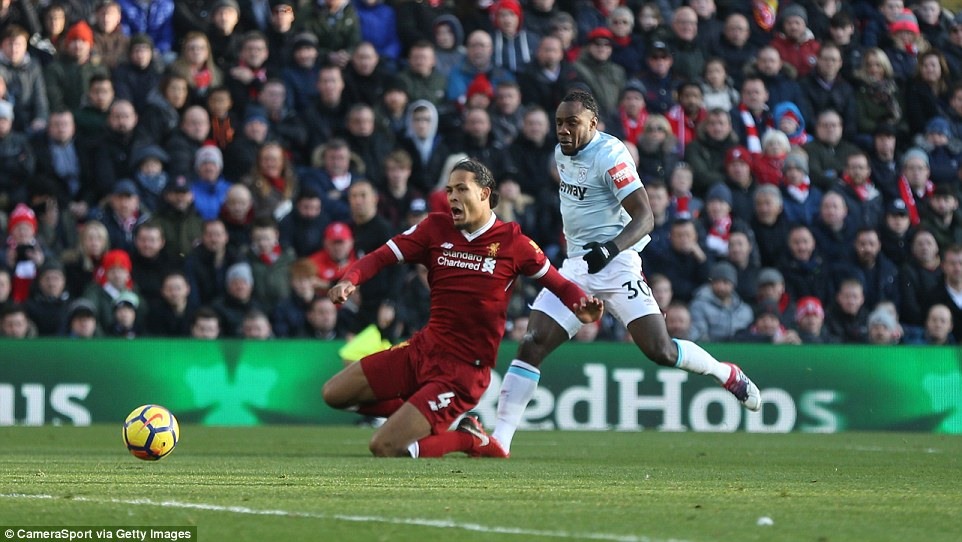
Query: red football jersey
[(470, 280)]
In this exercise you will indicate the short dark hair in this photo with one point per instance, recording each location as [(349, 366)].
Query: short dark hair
[(205, 313), (482, 176), (584, 98)]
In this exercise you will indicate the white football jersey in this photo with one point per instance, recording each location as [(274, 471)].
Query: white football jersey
[(593, 183)]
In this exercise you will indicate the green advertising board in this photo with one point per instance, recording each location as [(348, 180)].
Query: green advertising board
[(594, 386)]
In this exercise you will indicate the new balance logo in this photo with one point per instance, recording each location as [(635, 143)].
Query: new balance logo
[(447, 246)]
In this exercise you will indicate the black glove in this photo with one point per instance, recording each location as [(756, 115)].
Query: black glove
[(599, 255)]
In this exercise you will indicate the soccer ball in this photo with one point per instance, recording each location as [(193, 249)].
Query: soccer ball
[(151, 432)]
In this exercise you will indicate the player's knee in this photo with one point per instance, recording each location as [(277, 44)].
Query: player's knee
[(385, 447), (532, 349), (331, 395), (661, 351), (664, 353)]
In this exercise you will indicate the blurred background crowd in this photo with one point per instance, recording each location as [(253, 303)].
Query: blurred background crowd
[(209, 168)]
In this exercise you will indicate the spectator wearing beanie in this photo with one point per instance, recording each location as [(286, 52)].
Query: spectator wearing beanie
[(111, 279), (514, 47), (138, 72), (717, 311), (905, 39), (810, 322), (22, 253), (209, 186), (68, 76), (795, 43), (945, 152), (800, 199)]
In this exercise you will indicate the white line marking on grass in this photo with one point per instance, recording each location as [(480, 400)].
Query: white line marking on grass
[(435, 523)]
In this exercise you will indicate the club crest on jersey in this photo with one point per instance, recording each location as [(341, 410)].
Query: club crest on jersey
[(621, 175), (493, 249), (582, 174)]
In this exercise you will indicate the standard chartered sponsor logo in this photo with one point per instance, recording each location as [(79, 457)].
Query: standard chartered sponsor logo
[(466, 260)]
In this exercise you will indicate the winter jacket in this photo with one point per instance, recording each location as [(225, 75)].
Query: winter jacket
[(714, 321)]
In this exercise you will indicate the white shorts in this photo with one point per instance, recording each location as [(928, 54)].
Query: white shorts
[(620, 285)]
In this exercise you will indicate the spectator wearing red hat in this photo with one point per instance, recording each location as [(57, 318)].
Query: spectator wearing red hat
[(906, 42), (24, 253), (336, 256), (68, 76), (594, 67), (514, 47), (480, 93), (112, 279), (810, 320)]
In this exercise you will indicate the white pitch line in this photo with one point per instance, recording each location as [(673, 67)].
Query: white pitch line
[(434, 523)]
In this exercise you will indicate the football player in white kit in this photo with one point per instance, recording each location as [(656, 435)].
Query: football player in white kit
[(607, 218)]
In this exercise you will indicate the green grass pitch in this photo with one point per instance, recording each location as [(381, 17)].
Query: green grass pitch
[(319, 483)]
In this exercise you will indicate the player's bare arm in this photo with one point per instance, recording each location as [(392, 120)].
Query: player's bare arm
[(642, 219), (641, 223)]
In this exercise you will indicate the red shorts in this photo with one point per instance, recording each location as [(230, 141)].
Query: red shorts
[(441, 389)]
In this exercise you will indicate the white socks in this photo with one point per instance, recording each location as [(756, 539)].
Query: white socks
[(517, 389), (522, 378), (695, 359)]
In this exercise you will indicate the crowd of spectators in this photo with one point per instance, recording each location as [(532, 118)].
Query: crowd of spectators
[(209, 168)]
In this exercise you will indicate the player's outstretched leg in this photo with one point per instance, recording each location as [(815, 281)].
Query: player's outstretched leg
[(652, 338)]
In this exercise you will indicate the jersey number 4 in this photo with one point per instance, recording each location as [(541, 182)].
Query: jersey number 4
[(444, 399)]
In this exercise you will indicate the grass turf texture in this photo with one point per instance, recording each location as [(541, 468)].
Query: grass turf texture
[(319, 483)]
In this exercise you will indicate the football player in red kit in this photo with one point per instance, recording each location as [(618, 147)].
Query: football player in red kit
[(423, 385)]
